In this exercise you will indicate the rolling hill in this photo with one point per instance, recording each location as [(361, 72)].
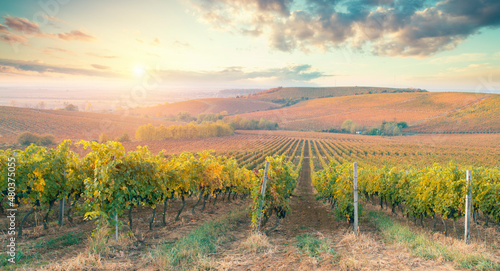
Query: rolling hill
[(424, 112), (209, 105), (481, 117), (291, 95), (67, 124), (417, 109)]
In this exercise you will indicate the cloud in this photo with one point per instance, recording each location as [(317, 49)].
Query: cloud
[(11, 38), (100, 67), (41, 68), (3, 29), (297, 73), (22, 25), (9, 70), (52, 18), (181, 44), (101, 56), (27, 27), (50, 50), (76, 35), (415, 28)]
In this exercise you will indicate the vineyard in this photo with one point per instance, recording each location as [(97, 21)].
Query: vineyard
[(108, 180), (145, 190), (434, 191)]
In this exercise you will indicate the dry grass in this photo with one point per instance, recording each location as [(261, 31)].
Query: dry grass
[(98, 241), (256, 243), (353, 248), (192, 251), (84, 261), (436, 247), (100, 245), (88, 261)]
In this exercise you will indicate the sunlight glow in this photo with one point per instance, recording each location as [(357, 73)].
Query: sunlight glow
[(139, 70)]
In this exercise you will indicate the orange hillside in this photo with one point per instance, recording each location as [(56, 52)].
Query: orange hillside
[(368, 110), (67, 124), (211, 105)]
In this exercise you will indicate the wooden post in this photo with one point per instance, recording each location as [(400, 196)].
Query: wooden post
[(116, 226), (262, 194), (355, 197), (61, 208), (61, 212), (468, 204)]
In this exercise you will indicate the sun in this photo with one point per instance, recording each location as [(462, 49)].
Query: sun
[(139, 70)]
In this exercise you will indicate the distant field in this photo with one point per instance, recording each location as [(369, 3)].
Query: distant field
[(479, 149), (209, 105), (370, 110), (300, 93), (423, 111), (482, 117), (67, 124)]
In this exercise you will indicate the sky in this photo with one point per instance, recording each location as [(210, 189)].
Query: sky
[(449, 45)]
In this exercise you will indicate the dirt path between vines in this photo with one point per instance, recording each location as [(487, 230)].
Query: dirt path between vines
[(364, 252)]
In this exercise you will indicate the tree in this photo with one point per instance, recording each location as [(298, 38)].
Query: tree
[(184, 116), (41, 105), (123, 138), (88, 107), (402, 124), (348, 126), (70, 107), (46, 139), (103, 138), (27, 138)]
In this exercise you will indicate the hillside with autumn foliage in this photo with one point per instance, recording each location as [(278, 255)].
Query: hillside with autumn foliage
[(424, 112), (65, 124), (208, 105)]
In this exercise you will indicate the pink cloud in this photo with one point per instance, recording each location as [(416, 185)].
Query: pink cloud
[(52, 19), (99, 67), (76, 35), (50, 50), (3, 29), (101, 56), (22, 25), (13, 38)]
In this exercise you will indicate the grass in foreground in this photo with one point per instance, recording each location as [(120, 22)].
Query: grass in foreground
[(25, 256), (192, 250), (462, 255), (313, 246)]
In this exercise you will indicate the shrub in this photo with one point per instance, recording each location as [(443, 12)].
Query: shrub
[(124, 138), (46, 139), (70, 107), (103, 138), (28, 138)]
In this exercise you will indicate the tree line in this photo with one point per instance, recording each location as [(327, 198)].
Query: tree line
[(191, 130), (386, 128)]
